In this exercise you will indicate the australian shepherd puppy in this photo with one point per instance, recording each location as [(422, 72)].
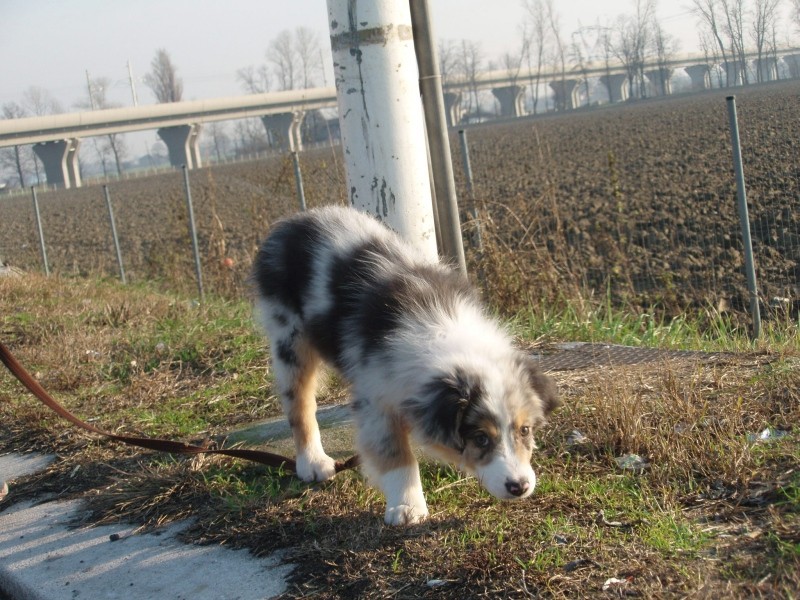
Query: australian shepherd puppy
[(424, 361)]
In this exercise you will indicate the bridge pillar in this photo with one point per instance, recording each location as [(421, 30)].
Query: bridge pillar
[(733, 74), (182, 145), (617, 86), (793, 64), (660, 79), (566, 93), (511, 100), (766, 68), (283, 130), (452, 108), (700, 76), (60, 160)]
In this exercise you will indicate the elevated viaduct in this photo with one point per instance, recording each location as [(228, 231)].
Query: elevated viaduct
[(56, 138)]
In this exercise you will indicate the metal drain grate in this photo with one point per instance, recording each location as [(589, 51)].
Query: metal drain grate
[(582, 355)]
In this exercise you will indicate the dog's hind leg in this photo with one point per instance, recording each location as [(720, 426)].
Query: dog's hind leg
[(389, 461), (295, 364)]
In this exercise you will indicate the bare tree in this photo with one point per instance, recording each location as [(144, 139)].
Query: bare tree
[(281, 53), (471, 64), (632, 44), (39, 102), (448, 61), (219, 142), (581, 50), (307, 49), (664, 48), (15, 159), (97, 99), (765, 13), (256, 80), (708, 11), (249, 137), (605, 43), (559, 49), (294, 59), (512, 61), (536, 48), (21, 160), (163, 78), (733, 11), (794, 13)]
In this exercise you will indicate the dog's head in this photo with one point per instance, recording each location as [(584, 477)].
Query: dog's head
[(484, 418)]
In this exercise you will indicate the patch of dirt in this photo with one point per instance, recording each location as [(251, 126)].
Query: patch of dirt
[(638, 199)]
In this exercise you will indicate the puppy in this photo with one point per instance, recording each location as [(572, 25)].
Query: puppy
[(423, 359)]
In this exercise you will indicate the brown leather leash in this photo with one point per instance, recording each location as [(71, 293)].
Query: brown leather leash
[(265, 458)]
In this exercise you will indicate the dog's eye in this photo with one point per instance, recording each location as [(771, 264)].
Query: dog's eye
[(524, 431), (481, 440)]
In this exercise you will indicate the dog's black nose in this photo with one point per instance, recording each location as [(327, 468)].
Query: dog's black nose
[(517, 488)]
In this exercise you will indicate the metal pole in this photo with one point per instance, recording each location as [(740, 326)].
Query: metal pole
[(473, 209), (741, 190), (438, 140), (193, 232), (114, 234), (90, 88), (133, 85), (381, 118), (298, 177), (39, 229)]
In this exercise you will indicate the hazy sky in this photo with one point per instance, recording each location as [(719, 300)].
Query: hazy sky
[(52, 43)]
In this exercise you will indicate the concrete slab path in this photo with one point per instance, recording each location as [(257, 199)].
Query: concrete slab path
[(45, 556)]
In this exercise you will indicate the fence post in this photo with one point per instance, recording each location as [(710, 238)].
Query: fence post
[(744, 218), (39, 229), (298, 178), (193, 232), (477, 238), (430, 82), (114, 234)]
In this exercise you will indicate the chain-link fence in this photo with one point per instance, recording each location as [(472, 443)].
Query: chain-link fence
[(639, 202), (634, 205)]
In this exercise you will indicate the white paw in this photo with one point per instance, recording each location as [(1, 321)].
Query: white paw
[(315, 467), (405, 514)]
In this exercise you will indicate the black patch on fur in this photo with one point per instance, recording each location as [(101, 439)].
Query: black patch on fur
[(285, 352), (381, 311), (474, 422), (280, 318), (445, 401), (358, 302), (283, 266), (285, 349)]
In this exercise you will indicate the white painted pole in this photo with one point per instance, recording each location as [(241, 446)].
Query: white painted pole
[(380, 114)]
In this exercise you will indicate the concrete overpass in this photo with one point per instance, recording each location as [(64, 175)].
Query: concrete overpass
[(509, 88), (56, 138)]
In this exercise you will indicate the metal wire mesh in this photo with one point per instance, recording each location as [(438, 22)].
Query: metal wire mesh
[(635, 203), (640, 202)]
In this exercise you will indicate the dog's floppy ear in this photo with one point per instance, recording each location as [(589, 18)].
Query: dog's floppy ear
[(543, 385)]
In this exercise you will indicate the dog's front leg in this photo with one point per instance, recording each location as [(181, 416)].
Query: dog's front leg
[(296, 366), (405, 501), (389, 462)]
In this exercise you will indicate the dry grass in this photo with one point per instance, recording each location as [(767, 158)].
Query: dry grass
[(713, 514)]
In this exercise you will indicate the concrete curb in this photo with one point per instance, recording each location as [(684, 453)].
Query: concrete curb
[(44, 556)]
